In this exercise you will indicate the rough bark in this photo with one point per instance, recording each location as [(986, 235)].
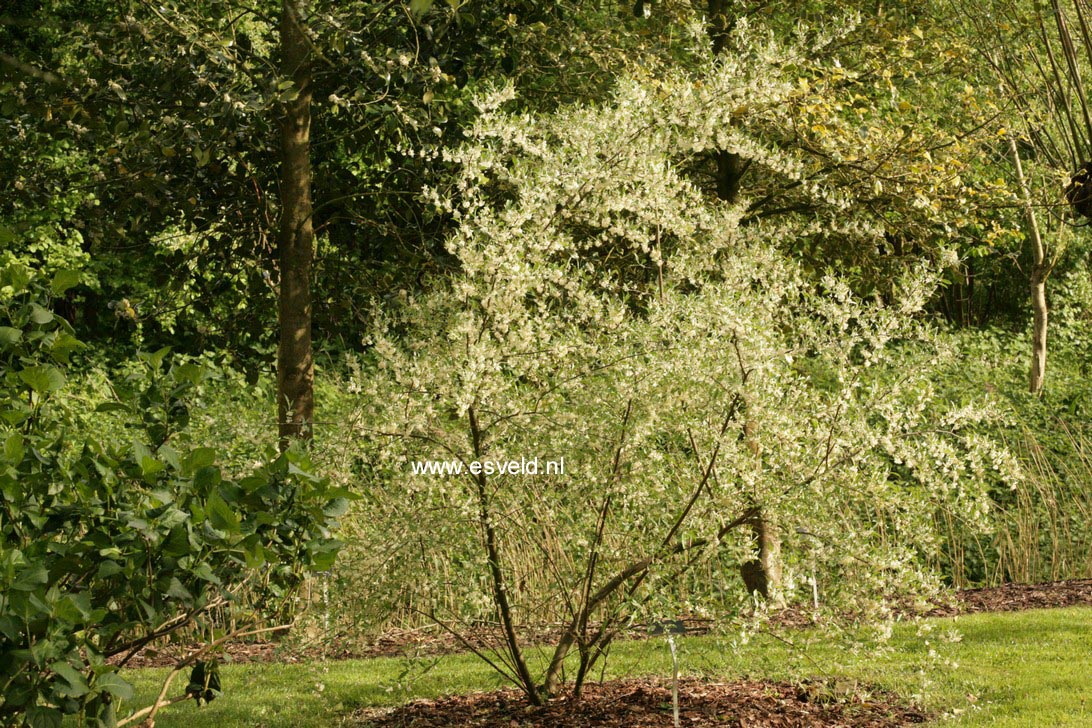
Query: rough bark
[(763, 575), (295, 364)]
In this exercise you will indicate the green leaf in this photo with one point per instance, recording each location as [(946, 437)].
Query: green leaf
[(198, 458), (40, 716), (336, 507), (255, 556), (177, 543), (206, 478), (205, 572), (221, 515), (75, 683), (63, 346), (155, 358), (13, 448), (177, 591), (323, 555), (420, 7), (113, 683), (39, 314), (189, 372), (31, 578), (149, 465), (43, 378), (63, 280), (17, 276), (9, 337)]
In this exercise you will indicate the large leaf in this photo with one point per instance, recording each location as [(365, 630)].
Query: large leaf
[(40, 314), (155, 358), (221, 515), (420, 7), (63, 280), (43, 378), (41, 716), (9, 336), (149, 465), (198, 458), (63, 346), (75, 684), (113, 683), (31, 578), (13, 448)]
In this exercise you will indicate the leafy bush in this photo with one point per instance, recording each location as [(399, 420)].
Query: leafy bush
[(691, 375), (110, 543)]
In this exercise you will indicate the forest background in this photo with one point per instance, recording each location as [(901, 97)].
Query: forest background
[(774, 278)]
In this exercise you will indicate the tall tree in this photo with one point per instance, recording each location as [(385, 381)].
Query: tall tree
[(1039, 56), (295, 361)]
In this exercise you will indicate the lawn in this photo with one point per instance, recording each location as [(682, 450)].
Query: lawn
[(1031, 668)]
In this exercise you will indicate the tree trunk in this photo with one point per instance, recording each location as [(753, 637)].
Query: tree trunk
[(762, 575), (1039, 271), (730, 169), (730, 166), (496, 571), (295, 364), (1039, 330)]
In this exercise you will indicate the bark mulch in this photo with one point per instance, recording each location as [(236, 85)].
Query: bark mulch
[(421, 642), (646, 703), (1016, 597)]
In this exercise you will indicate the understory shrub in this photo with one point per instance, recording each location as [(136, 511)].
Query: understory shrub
[(114, 541)]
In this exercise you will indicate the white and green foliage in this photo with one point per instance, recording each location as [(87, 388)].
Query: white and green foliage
[(606, 311)]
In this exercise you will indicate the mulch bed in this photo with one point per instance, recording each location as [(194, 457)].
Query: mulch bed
[(399, 643), (1017, 597), (645, 703)]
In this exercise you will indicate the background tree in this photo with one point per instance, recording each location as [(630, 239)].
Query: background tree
[(295, 361)]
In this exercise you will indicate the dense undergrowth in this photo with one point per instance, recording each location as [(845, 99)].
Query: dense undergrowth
[(1038, 530)]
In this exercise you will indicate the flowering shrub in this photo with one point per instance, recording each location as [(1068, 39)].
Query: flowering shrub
[(607, 311)]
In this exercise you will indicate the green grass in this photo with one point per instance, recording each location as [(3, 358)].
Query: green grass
[(1018, 669)]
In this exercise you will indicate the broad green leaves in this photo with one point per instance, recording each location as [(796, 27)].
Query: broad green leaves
[(43, 379), (420, 7), (106, 540)]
